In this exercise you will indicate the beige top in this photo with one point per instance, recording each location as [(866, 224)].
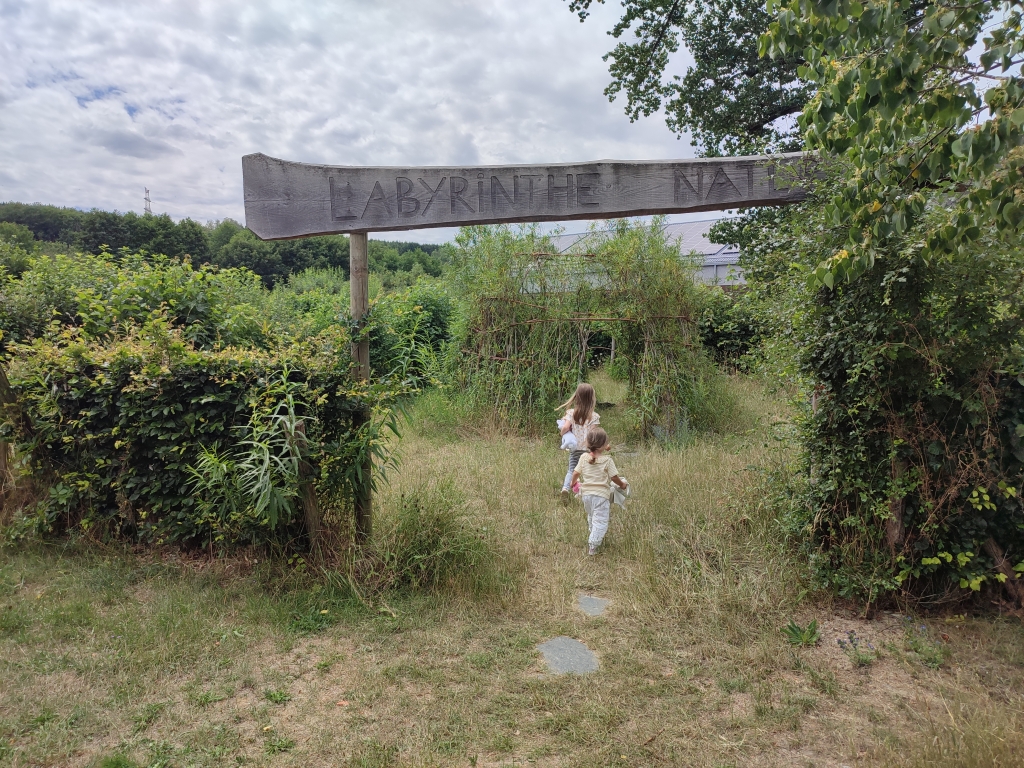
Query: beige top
[(596, 478), (580, 430)]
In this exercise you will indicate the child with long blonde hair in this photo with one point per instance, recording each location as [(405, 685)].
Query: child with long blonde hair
[(579, 419), (596, 473)]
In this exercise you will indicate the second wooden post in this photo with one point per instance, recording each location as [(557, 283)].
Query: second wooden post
[(359, 304)]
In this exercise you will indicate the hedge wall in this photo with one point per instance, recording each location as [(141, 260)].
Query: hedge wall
[(114, 431)]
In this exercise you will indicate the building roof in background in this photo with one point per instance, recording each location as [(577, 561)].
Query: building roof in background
[(692, 236), (719, 263)]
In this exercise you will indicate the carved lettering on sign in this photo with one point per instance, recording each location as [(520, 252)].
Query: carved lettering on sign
[(531, 177), (496, 189), (683, 187), (457, 190), (722, 185), (403, 186), (341, 201), (585, 188), (286, 200), (377, 196), (554, 189), (433, 193)]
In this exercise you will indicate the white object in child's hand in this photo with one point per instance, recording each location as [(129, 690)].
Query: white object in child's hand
[(619, 495), (569, 442)]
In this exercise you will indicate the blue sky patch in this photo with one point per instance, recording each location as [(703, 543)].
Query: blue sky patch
[(96, 94)]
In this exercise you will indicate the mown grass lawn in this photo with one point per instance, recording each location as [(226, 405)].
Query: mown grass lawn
[(111, 658)]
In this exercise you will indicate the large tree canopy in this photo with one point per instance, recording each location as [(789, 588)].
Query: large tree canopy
[(926, 102), (730, 100)]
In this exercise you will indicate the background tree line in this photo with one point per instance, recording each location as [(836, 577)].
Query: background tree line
[(224, 243)]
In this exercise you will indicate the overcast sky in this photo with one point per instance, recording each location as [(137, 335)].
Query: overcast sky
[(101, 99)]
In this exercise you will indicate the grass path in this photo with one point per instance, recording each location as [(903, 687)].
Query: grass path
[(109, 659)]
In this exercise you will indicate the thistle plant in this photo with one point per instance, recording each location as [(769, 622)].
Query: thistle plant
[(802, 636)]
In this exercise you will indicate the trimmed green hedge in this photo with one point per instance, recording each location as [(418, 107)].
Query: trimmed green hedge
[(114, 428)]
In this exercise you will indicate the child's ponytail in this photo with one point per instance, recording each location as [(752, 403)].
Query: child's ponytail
[(597, 439)]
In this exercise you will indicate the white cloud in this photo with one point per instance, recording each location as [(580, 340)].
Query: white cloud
[(101, 98)]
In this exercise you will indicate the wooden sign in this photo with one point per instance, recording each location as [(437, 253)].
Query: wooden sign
[(287, 200)]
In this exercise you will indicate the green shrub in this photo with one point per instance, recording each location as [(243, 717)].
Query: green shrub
[(408, 330), (17, 235), (101, 295), (728, 325), (165, 402), (911, 419), (429, 543), (910, 324), (116, 428)]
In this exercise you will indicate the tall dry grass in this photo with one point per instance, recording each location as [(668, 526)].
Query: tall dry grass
[(687, 543), (965, 732)]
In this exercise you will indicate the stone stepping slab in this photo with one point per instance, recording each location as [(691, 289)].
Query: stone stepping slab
[(591, 605), (567, 656)]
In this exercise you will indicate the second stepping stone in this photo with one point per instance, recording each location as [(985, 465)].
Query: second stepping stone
[(590, 605), (565, 655)]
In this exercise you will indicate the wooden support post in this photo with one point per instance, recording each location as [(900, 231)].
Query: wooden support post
[(359, 304)]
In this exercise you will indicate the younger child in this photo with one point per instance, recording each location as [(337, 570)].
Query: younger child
[(596, 473), (578, 420)]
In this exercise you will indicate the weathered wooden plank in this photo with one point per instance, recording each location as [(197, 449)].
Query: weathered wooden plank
[(287, 200)]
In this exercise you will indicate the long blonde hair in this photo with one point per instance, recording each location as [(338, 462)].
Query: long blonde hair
[(597, 439), (582, 402)]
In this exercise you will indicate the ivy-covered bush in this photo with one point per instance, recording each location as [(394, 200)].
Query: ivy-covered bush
[(911, 418), (909, 326), (112, 431), (916, 437), (160, 402)]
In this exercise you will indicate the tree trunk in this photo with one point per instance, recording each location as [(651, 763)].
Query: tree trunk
[(7, 396), (4, 448), (10, 406), (10, 410)]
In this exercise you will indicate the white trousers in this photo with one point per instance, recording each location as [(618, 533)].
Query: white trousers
[(598, 511)]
